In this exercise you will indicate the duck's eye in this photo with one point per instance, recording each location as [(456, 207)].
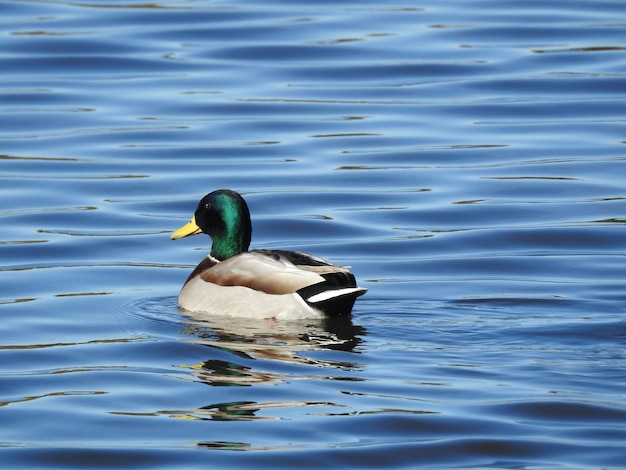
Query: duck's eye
[(207, 206)]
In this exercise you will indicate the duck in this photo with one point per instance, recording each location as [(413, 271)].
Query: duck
[(262, 283)]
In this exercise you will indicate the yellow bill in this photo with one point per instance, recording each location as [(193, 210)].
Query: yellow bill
[(190, 228)]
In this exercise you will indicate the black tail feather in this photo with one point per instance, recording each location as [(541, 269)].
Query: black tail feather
[(333, 305)]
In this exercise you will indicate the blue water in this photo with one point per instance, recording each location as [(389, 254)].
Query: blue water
[(466, 158)]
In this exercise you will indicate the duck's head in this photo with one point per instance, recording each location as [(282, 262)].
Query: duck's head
[(224, 216)]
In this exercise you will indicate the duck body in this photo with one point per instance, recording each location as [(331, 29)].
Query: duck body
[(260, 283)]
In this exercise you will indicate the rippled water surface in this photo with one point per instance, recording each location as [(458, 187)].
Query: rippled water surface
[(466, 158)]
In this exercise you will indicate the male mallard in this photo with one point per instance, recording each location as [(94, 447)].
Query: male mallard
[(261, 283)]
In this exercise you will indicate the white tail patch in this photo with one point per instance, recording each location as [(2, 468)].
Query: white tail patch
[(331, 294)]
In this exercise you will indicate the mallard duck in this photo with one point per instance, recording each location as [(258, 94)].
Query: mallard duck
[(260, 283)]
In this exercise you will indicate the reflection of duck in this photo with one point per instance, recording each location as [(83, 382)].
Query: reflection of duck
[(262, 283), (247, 352), (249, 340)]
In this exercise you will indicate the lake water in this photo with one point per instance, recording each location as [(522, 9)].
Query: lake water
[(466, 158)]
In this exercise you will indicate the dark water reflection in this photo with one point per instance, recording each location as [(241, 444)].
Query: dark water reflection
[(251, 343), (267, 352)]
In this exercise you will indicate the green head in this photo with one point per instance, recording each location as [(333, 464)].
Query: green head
[(224, 216)]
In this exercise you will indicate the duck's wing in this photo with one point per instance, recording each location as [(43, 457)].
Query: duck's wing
[(334, 294), (302, 260), (266, 271)]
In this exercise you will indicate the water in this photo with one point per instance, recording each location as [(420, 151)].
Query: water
[(465, 158)]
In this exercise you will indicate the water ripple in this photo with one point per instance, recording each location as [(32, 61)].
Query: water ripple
[(465, 160)]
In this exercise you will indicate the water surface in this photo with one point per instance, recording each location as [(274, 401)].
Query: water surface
[(465, 158)]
